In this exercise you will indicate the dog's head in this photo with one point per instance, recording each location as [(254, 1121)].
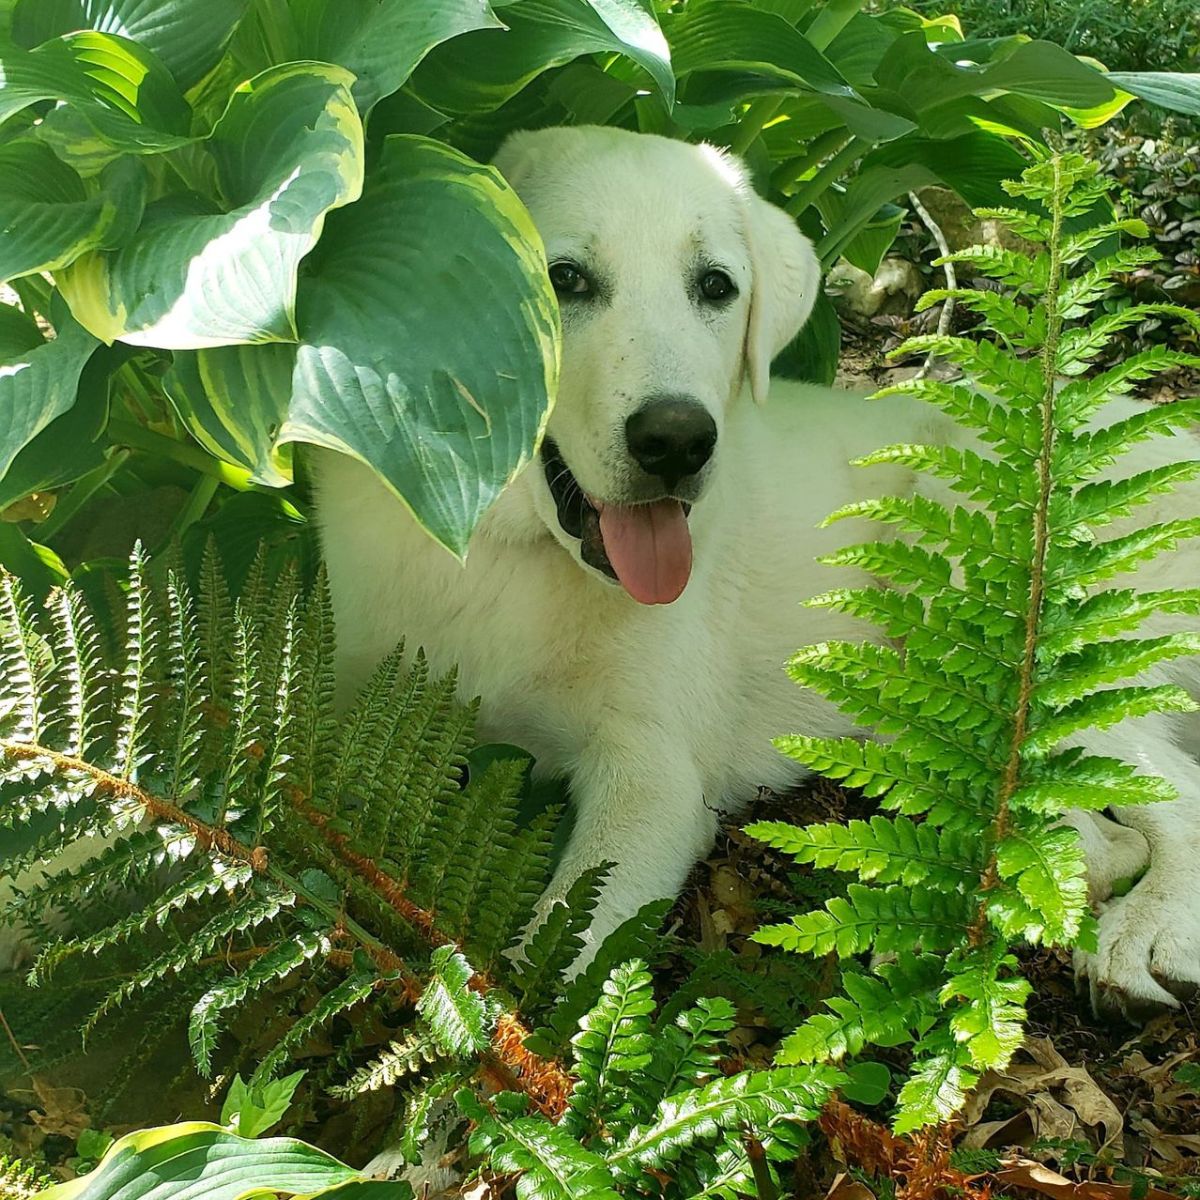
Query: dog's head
[(676, 284)]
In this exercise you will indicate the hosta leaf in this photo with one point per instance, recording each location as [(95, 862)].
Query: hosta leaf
[(1168, 89), (379, 43), (161, 1163), (457, 1016), (438, 243), (287, 150), (735, 35), (234, 401), (186, 37), (38, 384), (479, 71), (47, 217), (121, 90)]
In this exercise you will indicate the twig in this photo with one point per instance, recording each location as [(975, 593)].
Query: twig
[(15, 1044), (947, 314)]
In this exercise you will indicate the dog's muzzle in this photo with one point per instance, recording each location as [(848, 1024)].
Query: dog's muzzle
[(645, 547)]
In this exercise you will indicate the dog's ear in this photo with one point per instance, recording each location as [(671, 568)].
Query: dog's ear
[(784, 290), (516, 156)]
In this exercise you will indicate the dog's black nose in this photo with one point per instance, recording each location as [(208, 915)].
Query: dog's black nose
[(671, 437)]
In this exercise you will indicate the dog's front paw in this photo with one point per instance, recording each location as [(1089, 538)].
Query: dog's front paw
[(1148, 955)]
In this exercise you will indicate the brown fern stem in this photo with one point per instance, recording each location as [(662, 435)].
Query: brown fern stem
[(543, 1080), (1037, 573)]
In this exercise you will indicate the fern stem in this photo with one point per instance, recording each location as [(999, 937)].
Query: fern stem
[(163, 810), (1037, 572), (543, 1080)]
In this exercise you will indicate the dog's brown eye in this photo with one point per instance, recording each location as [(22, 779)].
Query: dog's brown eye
[(568, 279), (716, 285)]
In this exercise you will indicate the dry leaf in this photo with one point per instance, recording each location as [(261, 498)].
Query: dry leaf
[(1060, 1101), (1040, 1178), (63, 1109), (845, 1188)]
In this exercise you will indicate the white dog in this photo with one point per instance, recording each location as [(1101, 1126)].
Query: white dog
[(628, 603)]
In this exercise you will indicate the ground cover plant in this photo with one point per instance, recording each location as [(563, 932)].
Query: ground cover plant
[(186, 307)]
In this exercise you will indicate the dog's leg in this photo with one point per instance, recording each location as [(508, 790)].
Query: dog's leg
[(1149, 944), (639, 804)]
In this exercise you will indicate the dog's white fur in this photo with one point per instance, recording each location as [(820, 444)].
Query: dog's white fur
[(662, 715)]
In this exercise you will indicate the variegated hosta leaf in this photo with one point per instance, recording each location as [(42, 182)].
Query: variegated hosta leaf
[(288, 149), (381, 372), (38, 381), (187, 37), (235, 400), (379, 43), (123, 92), (153, 1164), (437, 245), (47, 217), (478, 72)]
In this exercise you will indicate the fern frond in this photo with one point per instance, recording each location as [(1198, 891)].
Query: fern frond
[(279, 962), (1009, 649), (394, 1065), (458, 1018), (754, 1098), (889, 919), (613, 1044)]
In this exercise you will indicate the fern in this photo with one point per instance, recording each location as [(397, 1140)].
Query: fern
[(244, 852), (649, 1115), (1014, 639)]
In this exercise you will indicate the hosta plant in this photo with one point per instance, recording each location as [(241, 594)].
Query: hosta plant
[(1012, 634)]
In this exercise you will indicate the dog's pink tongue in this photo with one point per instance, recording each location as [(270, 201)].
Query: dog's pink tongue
[(650, 548)]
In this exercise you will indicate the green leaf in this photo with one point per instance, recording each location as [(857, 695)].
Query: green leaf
[(479, 71), (437, 244), (1051, 875), (867, 1083), (157, 1164), (121, 90), (47, 217), (751, 1097), (234, 401), (735, 35), (1168, 89), (380, 44), (250, 1110), (287, 150), (613, 1043), (38, 384), (186, 37), (457, 1016)]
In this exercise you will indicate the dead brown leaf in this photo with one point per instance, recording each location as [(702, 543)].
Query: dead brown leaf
[(1038, 1177), (844, 1187), (1058, 1100), (63, 1109)]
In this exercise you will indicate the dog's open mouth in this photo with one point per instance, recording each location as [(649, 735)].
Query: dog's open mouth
[(647, 548)]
